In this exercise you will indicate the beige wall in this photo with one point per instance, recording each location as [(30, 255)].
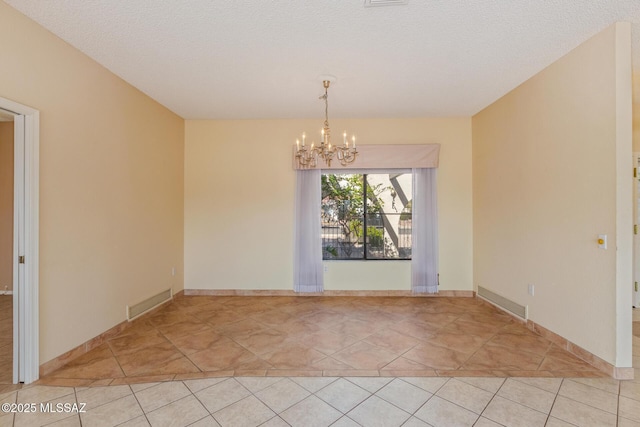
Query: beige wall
[(547, 179), (239, 203), (111, 185), (6, 206), (636, 128)]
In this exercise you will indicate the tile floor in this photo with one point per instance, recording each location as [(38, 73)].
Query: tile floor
[(321, 336), (6, 339), (334, 400)]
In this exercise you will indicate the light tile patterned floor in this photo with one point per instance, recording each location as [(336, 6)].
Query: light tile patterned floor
[(338, 401)]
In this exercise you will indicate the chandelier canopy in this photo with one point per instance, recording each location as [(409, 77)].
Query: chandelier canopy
[(307, 157)]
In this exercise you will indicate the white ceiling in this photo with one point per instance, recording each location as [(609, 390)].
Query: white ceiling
[(262, 59)]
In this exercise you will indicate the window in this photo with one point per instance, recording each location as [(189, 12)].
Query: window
[(366, 216)]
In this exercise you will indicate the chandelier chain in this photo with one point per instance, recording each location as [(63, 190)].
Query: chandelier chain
[(326, 106)]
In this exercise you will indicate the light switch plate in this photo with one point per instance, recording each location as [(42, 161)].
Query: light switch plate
[(602, 241)]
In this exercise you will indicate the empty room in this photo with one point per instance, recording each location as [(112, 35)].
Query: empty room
[(374, 212)]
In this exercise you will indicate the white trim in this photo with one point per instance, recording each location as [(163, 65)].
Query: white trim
[(18, 236), (635, 299), (25, 296), (31, 250), (624, 193)]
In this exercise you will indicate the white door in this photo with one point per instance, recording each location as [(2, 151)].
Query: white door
[(18, 248), (25, 247)]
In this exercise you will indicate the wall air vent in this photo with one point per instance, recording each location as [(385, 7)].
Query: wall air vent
[(373, 3), (504, 303), (136, 310)]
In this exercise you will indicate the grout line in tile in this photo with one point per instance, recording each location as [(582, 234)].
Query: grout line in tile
[(584, 403), (197, 421), (339, 410), (587, 404), (233, 403), (139, 405), (489, 403), (526, 406), (453, 403), (618, 405), (411, 414), (534, 386), (200, 401)]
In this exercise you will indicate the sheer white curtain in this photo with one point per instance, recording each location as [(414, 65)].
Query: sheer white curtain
[(307, 258), (424, 234)]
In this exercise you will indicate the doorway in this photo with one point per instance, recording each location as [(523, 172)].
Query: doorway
[(7, 142), (24, 250)]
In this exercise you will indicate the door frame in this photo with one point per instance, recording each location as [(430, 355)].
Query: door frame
[(636, 237), (26, 359)]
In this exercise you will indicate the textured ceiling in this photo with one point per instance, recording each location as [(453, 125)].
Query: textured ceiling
[(262, 59)]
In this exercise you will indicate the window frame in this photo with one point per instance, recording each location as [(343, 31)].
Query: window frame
[(365, 185)]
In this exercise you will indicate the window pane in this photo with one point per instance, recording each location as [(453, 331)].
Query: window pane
[(383, 233), (342, 216), (388, 216)]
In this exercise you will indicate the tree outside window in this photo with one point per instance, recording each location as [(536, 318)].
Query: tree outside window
[(366, 216)]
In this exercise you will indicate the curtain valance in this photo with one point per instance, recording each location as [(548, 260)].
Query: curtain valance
[(388, 156)]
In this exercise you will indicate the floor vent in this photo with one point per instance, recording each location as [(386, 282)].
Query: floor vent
[(504, 303), (136, 310), (373, 3)]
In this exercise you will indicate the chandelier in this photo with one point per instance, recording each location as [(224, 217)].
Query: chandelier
[(307, 157)]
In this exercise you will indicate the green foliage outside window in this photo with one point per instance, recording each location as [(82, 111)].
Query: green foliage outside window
[(343, 218)]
